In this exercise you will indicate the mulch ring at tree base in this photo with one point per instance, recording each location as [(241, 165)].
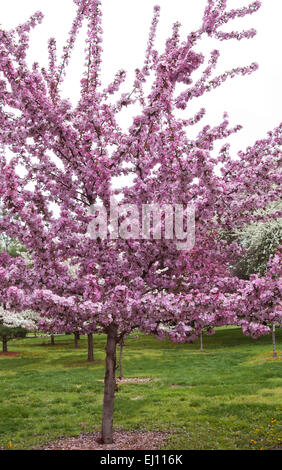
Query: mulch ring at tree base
[(123, 440), (10, 354), (133, 380)]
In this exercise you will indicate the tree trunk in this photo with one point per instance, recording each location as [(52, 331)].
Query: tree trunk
[(274, 341), (109, 386), (121, 344), (76, 338), (52, 340), (5, 344), (90, 348), (201, 342)]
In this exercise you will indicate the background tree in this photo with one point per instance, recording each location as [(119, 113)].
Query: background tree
[(15, 325), (261, 242), (261, 299), (7, 334)]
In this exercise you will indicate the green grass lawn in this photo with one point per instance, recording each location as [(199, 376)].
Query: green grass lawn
[(228, 397)]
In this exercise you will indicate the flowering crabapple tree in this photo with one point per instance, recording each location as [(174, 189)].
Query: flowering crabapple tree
[(260, 301), (71, 154), (262, 248), (15, 324)]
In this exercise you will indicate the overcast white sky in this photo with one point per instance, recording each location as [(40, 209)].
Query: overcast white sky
[(253, 101)]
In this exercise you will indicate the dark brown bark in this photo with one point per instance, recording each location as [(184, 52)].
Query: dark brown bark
[(201, 342), (274, 341), (109, 386), (76, 338), (121, 344), (5, 344), (52, 340), (90, 348)]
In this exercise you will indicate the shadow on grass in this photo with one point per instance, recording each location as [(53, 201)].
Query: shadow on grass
[(86, 363)]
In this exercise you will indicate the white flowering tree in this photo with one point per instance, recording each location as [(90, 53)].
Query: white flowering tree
[(15, 325)]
